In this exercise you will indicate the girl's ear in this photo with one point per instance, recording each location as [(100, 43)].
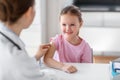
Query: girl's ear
[(81, 23)]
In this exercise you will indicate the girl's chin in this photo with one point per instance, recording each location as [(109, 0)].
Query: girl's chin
[(67, 37)]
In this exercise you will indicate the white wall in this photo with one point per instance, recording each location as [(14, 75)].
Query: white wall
[(53, 8), (105, 41), (32, 36)]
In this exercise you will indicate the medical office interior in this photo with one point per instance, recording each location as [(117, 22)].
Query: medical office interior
[(101, 26)]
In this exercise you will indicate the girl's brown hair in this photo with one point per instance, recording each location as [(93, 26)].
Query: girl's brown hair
[(73, 10), (12, 10)]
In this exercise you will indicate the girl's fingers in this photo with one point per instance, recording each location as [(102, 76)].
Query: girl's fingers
[(69, 68), (72, 69)]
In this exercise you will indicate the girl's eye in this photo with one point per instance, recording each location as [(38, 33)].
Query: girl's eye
[(64, 24), (72, 25)]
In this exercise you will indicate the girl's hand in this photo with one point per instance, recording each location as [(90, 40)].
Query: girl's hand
[(43, 48), (69, 68)]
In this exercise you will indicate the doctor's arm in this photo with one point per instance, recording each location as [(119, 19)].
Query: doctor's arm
[(49, 61)]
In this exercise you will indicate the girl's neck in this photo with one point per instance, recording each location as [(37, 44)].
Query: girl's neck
[(75, 41)]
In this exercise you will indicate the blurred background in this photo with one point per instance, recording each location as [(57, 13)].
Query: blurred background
[(101, 27)]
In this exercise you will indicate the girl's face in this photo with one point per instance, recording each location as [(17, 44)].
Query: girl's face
[(70, 25)]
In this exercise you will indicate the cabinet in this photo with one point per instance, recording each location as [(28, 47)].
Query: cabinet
[(103, 59), (92, 19), (112, 19), (101, 19), (102, 31)]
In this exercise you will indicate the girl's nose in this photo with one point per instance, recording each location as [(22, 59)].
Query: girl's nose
[(67, 28)]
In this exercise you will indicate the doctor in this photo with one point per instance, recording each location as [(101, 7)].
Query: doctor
[(15, 64)]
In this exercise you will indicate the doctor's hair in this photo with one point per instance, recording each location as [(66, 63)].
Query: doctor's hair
[(12, 10), (73, 10)]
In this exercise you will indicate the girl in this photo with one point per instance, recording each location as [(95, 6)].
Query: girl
[(69, 46), (15, 64)]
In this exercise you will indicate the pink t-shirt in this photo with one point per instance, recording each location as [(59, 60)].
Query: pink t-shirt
[(66, 52)]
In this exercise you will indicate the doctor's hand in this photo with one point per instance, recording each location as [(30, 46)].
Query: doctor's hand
[(43, 48), (69, 68)]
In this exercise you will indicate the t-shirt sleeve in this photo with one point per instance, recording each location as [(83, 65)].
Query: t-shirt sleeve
[(87, 56), (56, 40)]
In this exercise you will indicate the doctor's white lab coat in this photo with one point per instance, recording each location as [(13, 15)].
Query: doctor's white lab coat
[(15, 64)]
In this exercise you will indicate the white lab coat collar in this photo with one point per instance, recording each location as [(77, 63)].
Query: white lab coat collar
[(11, 35)]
